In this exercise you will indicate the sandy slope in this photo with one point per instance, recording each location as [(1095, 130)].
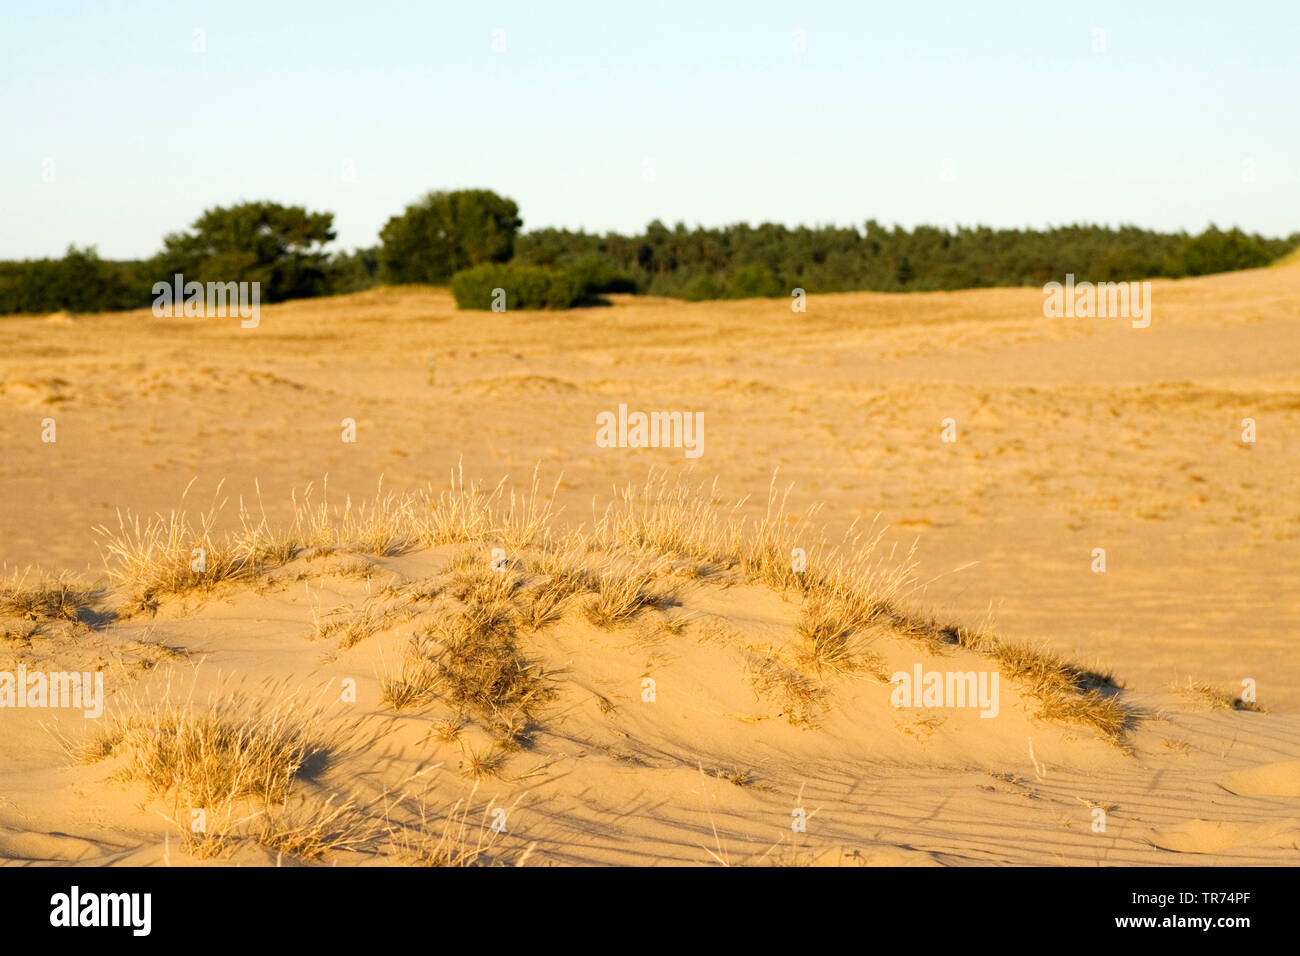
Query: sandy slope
[(611, 777), (1072, 435)]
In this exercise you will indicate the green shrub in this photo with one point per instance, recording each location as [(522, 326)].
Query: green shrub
[(524, 287), (564, 289), (597, 275)]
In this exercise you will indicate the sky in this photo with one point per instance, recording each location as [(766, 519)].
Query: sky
[(123, 121)]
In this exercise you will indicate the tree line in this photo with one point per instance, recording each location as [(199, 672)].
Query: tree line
[(472, 241)]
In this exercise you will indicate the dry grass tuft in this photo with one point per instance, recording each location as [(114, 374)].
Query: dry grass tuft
[(471, 658), (480, 669), (351, 627), (168, 555), (567, 565), (1216, 697), (625, 589), (414, 684), (455, 843), (482, 584), (802, 699), (242, 764), (1064, 691), (479, 764), (828, 631), (449, 729), (544, 606), (214, 755), (224, 764), (465, 513), (46, 599), (176, 554), (735, 776), (315, 828), (383, 525), (415, 592)]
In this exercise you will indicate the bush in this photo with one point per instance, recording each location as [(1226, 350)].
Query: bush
[(564, 289), (446, 232), (598, 275), (524, 287)]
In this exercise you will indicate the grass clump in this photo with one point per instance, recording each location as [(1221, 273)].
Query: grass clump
[(454, 843), (211, 756), (828, 633), (1064, 691), (1216, 697), (480, 669), (47, 599), (624, 590), (351, 627)]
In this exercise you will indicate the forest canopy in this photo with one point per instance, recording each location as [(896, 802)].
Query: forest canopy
[(478, 232)]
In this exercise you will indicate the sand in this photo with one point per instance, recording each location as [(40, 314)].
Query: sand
[(1071, 435)]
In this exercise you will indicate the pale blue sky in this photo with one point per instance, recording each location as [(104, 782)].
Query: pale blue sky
[(144, 133)]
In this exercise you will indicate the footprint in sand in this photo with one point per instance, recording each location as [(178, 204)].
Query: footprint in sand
[(1266, 780), (1211, 836)]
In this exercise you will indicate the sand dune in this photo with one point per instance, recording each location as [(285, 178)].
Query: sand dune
[(1070, 436)]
